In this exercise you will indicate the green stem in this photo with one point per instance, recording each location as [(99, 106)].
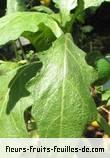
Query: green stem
[(78, 10), (23, 53), (70, 25), (15, 50)]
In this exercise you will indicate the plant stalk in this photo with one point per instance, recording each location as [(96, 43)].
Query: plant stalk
[(15, 50)]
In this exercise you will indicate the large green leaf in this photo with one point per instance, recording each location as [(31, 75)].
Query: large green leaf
[(93, 3), (14, 98), (62, 102), (13, 25)]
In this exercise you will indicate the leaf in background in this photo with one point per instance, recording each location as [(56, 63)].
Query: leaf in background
[(106, 86), (103, 68), (65, 5), (15, 5), (106, 95), (14, 98), (106, 91), (63, 105), (65, 8), (13, 25), (93, 3)]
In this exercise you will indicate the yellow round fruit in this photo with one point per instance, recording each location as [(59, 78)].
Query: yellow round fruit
[(45, 2), (95, 124)]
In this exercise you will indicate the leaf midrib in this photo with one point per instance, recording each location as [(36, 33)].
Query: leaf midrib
[(63, 90)]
